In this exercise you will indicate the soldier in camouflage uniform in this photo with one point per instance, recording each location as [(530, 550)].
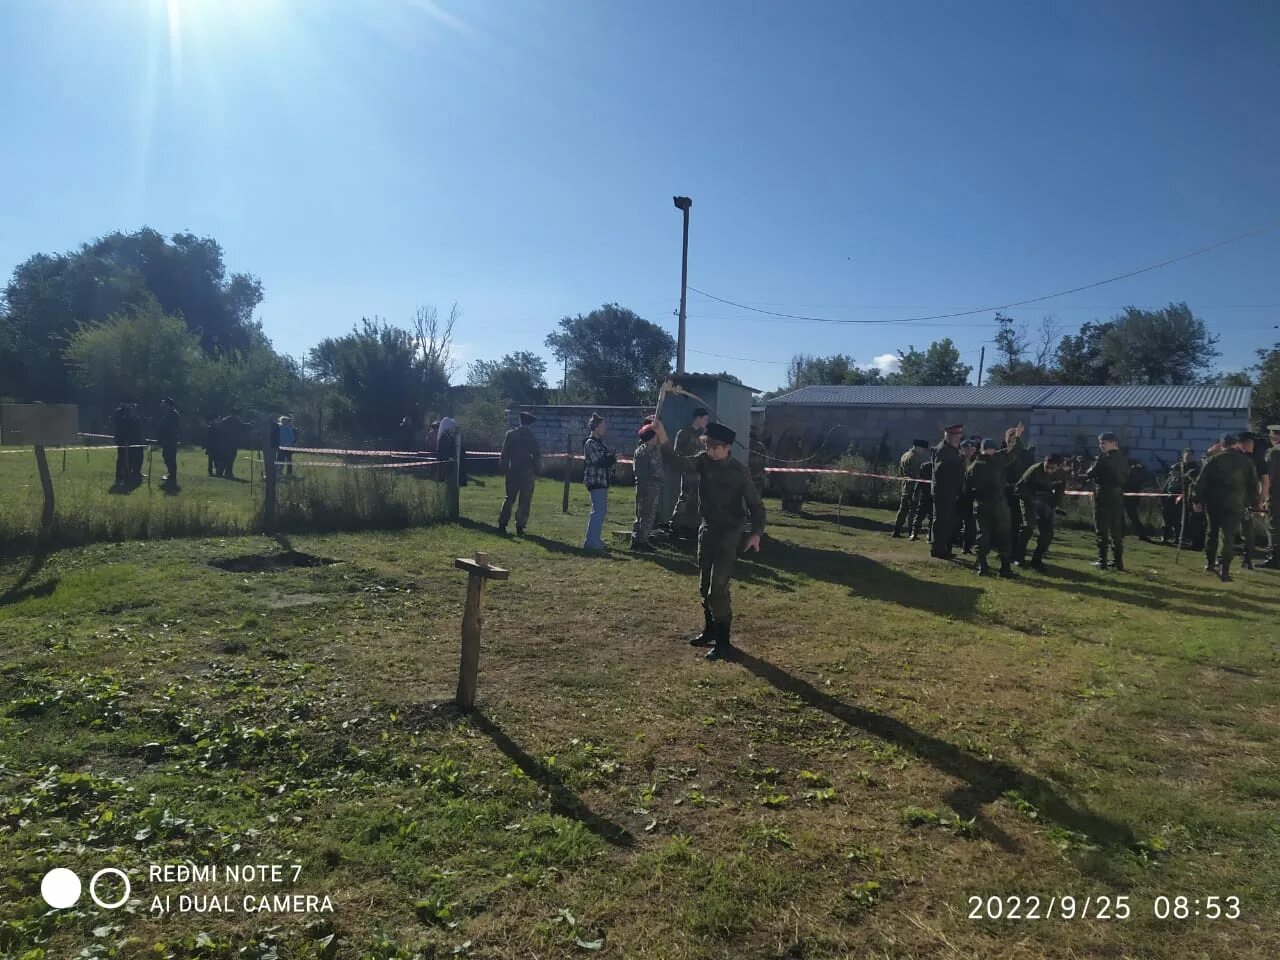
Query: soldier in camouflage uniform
[(1226, 487), (684, 518), (924, 506), (1042, 488), (1271, 495), (520, 460), (948, 478), (1109, 474), (727, 498), (984, 482), (909, 468), (966, 522), (1177, 485), (648, 470)]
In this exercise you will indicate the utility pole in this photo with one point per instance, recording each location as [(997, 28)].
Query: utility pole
[(683, 204), (981, 359)]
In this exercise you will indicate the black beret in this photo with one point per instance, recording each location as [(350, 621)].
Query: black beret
[(720, 433)]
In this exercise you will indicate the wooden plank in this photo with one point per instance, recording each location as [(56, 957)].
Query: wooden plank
[(476, 569)]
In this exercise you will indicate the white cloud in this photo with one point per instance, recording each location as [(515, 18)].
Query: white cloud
[(887, 362)]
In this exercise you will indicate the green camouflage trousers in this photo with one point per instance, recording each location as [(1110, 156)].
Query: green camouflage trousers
[(717, 552), (1108, 518), (647, 496)]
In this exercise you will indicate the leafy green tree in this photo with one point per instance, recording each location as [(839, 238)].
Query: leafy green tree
[(1019, 362), (1082, 358), (141, 352), (50, 297), (519, 377), (1266, 387), (1169, 346), (614, 355), (938, 366)]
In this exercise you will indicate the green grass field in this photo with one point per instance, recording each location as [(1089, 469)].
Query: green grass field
[(87, 510), (898, 737)]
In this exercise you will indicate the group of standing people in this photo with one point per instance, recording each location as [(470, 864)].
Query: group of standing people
[(1017, 498), (717, 499), (130, 443)]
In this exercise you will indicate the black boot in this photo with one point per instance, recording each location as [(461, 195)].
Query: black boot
[(723, 650), (1118, 566), (1247, 563), (1037, 560), (708, 634), (1272, 562), (1210, 564), (1006, 571), (1101, 562), (1224, 571), (982, 567), (519, 531)]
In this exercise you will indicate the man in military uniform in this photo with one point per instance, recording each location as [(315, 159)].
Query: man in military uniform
[(1109, 474), (726, 497), (966, 523), (924, 505), (520, 460), (1139, 480), (984, 482), (1042, 487), (1177, 485), (947, 479), (167, 434), (1019, 464), (648, 471), (123, 424), (909, 468), (684, 518), (1226, 486), (1271, 496), (1249, 524)]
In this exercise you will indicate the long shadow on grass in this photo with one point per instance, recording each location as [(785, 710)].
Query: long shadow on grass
[(1139, 593), (867, 578), (744, 571), (19, 590), (563, 800), (985, 780)]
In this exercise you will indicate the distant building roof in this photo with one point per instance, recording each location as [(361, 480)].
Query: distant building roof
[(1113, 397)]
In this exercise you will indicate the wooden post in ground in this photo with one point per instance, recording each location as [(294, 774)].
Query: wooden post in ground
[(478, 571), (151, 452), (453, 474), (568, 465), (64, 459), (46, 485), (268, 479)]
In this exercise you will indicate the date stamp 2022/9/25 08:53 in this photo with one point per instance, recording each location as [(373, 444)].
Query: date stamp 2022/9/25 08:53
[(1103, 907)]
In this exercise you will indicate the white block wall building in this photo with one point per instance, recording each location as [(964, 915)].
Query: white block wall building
[(1153, 422)]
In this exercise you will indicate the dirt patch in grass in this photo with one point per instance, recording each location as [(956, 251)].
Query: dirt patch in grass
[(267, 562)]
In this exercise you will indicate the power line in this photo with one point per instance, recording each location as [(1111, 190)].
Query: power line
[(1002, 306)]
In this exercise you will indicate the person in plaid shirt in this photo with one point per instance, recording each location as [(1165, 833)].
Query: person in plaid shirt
[(595, 475)]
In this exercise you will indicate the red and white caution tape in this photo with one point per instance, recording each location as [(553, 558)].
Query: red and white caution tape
[(884, 476)]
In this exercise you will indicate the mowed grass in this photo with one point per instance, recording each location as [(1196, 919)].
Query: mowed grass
[(87, 510), (898, 737)]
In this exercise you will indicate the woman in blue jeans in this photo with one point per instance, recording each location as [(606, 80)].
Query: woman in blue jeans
[(595, 474)]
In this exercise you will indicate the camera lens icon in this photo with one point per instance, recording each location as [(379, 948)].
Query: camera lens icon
[(61, 888)]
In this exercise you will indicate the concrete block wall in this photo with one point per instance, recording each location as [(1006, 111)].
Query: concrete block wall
[(555, 423), (1153, 436)]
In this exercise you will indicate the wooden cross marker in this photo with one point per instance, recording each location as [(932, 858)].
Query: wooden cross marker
[(478, 571)]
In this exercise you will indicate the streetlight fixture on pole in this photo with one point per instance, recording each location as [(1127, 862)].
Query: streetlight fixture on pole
[(683, 204)]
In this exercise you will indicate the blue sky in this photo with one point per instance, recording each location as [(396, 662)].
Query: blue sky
[(864, 161)]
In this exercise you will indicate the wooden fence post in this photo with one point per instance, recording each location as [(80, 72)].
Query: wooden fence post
[(454, 476), (46, 485), (478, 571), (568, 465), (268, 480)]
